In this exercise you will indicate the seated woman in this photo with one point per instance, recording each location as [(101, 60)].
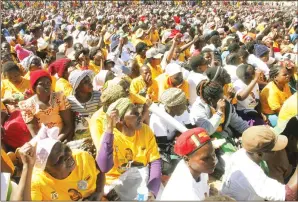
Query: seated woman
[(13, 87), (174, 102), (248, 95), (31, 63), (62, 68), (101, 78), (96, 57), (133, 144), (275, 93), (46, 107), (211, 106), (84, 101), (220, 75), (63, 174)]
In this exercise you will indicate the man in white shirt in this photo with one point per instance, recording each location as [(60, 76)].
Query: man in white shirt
[(67, 46), (198, 65), (174, 102), (245, 180), (189, 180)]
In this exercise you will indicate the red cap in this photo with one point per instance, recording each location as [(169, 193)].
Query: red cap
[(58, 66), (35, 75), (190, 141), (174, 32)]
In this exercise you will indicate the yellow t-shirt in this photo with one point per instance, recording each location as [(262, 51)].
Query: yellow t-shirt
[(137, 99), (8, 89), (64, 86), (95, 68), (154, 37), (140, 60), (96, 127), (272, 98), (138, 84), (139, 149), (6, 160), (163, 84), (146, 41), (155, 72), (45, 187), (288, 110)]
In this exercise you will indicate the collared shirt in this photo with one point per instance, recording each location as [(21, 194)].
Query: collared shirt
[(244, 180), (189, 189)]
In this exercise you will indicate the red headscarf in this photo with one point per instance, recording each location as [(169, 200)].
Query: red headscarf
[(59, 67), (35, 75)]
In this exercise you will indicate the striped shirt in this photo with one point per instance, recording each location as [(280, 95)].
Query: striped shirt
[(83, 112)]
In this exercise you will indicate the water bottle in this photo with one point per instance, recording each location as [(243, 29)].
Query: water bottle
[(142, 192)]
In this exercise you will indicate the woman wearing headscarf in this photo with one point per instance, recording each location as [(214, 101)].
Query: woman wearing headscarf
[(61, 67), (84, 101), (63, 174), (47, 107), (31, 63), (133, 144), (101, 78)]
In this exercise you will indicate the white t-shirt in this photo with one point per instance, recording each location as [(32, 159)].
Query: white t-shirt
[(68, 52), (162, 128), (244, 180), (253, 98), (183, 187), (259, 64), (193, 80), (127, 52), (231, 69)]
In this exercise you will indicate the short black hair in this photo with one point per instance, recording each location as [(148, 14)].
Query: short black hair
[(232, 58), (10, 66), (233, 47), (274, 71), (243, 53), (140, 47), (250, 46), (196, 61), (85, 51), (209, 90)]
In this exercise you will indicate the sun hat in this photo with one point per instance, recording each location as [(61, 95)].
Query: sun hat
[(153, 53)]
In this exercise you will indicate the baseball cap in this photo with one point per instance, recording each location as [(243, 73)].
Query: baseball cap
[(153, 53), (262, 139), (173, 68), (191, 141)]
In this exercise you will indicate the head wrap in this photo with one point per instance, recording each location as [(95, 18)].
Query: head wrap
[(121, 105), (27, 62), (260, 49), (173, 68), (99, 80), (173, 97), (21, 52), (35, 75), (111, 94), (59, 66), (77, 76)]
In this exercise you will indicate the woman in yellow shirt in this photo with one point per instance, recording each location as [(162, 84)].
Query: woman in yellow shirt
[(96, 60), (141, 49), (275, 93), (63, 174), (133, 144), (61, 67), (14, 85)]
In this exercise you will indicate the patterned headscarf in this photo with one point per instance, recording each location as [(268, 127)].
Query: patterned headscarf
[(27, 62), (111, 94), (173, 97), (122, 105)]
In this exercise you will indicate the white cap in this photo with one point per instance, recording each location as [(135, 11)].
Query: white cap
[(153, 53), (173, 68)]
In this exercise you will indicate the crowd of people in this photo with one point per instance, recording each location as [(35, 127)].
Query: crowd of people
[(79, 81)]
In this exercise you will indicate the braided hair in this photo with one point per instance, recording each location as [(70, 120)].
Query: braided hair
[(274, 71), (209, 90)]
